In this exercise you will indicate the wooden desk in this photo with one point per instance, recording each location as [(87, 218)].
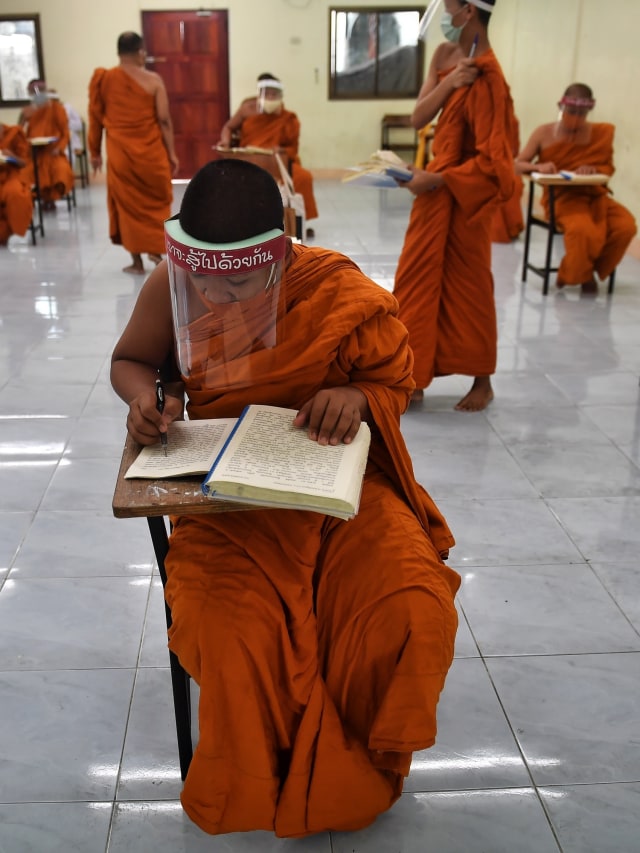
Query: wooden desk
[(550, 224), (267, 162), (401, 123)]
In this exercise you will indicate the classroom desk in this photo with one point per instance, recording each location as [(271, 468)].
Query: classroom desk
[(153, 500), (551, 182)]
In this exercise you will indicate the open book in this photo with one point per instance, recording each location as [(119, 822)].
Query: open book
[(261, 459), (574, 177), (382, 169)]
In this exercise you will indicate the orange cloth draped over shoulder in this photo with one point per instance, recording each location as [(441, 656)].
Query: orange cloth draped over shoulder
[(282, 130), (320, 645), (443, 281), (508, 221), (16, 202), (596, 229), (139, 190), (55, 174)]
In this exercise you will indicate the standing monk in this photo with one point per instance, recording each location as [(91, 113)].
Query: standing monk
[(443, 282), (320, 645), (597, 230), (16, 202), (131, 105), (47, 117), (264, 123)]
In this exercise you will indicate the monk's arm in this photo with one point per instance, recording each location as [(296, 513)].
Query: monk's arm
[(163, 116), (527, 159), (433, 94), (235, 123), (143, 348), (94, 134)]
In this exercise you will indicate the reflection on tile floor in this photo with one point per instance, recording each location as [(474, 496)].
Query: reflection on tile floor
[(538, 744)]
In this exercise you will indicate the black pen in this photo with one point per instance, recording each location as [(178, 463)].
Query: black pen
[(160, 408)]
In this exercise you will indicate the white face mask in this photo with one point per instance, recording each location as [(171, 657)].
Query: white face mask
[(271, 106), (450, 32)]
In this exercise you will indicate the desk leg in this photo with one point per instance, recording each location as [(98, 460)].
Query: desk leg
[(550, 236), (180, 679), (527, 233), (36, 179)]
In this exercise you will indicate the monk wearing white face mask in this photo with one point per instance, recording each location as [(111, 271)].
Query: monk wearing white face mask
[(263, 121)]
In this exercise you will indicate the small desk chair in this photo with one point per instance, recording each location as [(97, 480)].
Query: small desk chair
[(552, 229), (153, 500)]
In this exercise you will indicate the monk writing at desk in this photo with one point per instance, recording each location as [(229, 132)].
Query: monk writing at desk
[(320, 645), (264, 122), (16, 203), (46, 117), (597, 230)]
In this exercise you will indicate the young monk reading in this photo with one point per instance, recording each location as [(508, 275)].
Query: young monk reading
[(320, 645), (131, 106), (264, 122), (596, 229), (443, 281)]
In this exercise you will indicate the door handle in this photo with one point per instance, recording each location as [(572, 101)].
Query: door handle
[(155, 58)]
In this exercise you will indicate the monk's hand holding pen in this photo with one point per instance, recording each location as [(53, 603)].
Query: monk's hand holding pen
[(464, 73), (145, 423)]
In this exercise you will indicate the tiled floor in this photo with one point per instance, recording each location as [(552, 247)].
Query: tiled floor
[(539, 741)]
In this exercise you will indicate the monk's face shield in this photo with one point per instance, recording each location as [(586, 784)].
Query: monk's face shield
[(225, 301)]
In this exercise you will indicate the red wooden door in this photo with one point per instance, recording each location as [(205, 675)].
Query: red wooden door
[(190, 51)]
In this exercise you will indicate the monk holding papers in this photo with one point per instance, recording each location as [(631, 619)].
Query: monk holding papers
[(443, 281), (597, 230), (320, 644)]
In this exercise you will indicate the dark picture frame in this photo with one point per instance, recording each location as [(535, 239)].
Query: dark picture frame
[(20, 57)]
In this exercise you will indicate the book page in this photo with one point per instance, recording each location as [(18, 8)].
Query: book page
[(267, 452), (191, 448)]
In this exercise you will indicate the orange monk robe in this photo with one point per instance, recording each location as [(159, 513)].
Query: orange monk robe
[(282, 130), (139, 190), (320, 645), (597, 230), (55, 174), (16, 202), (443, 281), (508, 221)]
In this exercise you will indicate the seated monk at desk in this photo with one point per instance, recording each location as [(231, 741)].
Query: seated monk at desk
[(320, 645), (596, 229), (263, 122), (47, 117), (16, 202)]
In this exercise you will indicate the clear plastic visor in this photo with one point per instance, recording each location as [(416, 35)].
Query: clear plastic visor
[(226, 304)]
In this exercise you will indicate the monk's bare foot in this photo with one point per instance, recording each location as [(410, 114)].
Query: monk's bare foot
[(417, 396), (155, 259), (134, 269), (478, 398), (590, 288)]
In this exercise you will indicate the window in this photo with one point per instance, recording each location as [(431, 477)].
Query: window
[(20, 57), (375, 53)]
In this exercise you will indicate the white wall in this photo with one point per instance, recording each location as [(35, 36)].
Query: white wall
[(543, 46)]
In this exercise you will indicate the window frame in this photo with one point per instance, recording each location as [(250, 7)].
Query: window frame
[(376, 95), (35, 20)]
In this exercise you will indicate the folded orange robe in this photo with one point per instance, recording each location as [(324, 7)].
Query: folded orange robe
[(139, 190), (282, 130), (320, 645), (55, 174), (597, 230), (16, 202), (443, 281)]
